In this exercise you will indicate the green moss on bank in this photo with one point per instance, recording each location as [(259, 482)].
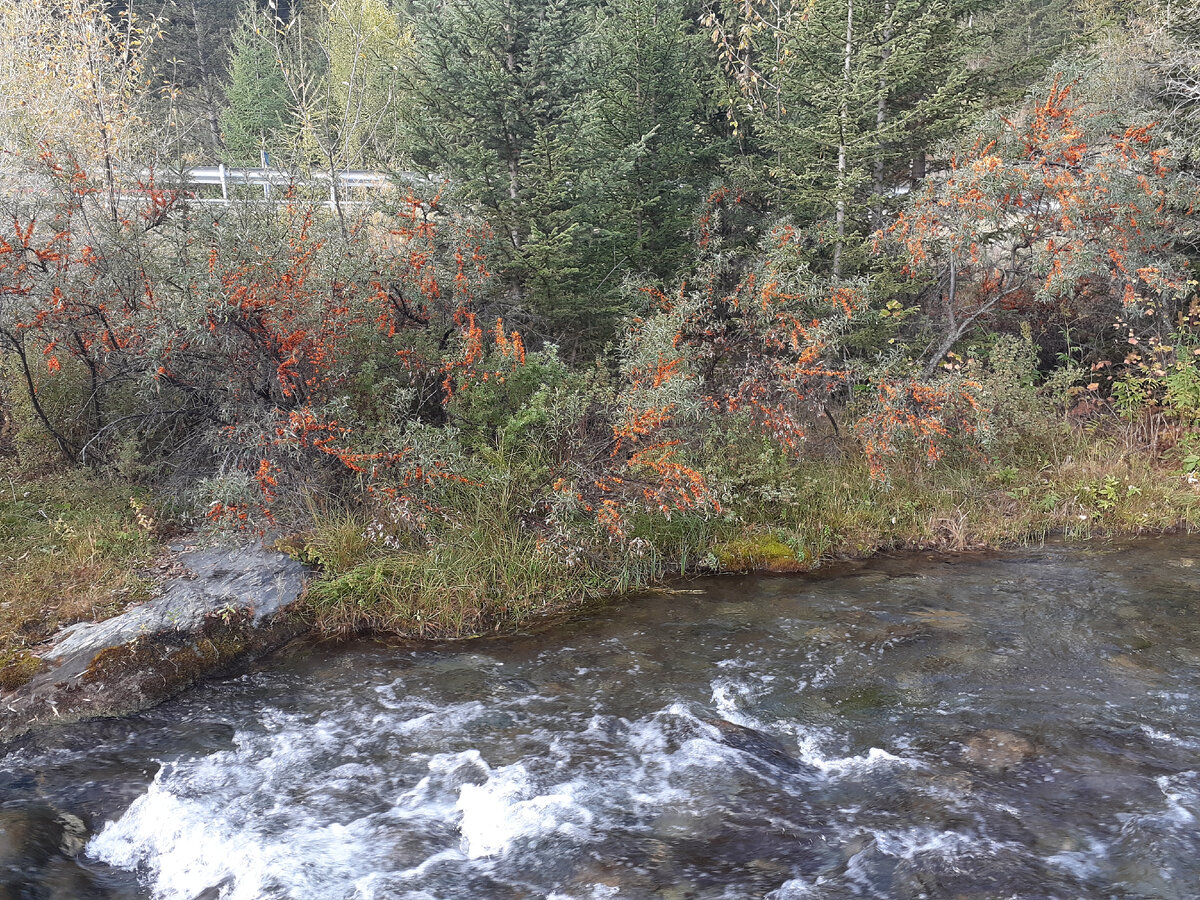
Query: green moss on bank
[(17, 668), (754, 551)]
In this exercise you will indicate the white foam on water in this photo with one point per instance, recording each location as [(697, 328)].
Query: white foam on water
[(370, 803), (1163, 737), (912, 842), (263, 818), (436, 794), (733, 663), (1081, 864), (156, 825), (670, 757), (795, 889), (418, 871), (186, 844), (507, 808), (676, 742), (596, 892), (830, 670), (730, 697), (920, 845), (411, 716), (809, 743), (1182, 798)]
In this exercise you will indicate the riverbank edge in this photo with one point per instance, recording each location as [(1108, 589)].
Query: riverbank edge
[(224, 607), (237, 610)]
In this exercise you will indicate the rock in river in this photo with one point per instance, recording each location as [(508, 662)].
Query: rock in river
[(229, 608), (997, 750)]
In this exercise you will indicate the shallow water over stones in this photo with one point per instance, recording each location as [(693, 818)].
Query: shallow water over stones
[(916, 727)]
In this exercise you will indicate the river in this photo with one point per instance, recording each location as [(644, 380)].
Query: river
[(1020, 725)]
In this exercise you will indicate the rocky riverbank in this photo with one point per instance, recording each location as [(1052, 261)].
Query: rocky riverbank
[(227, 606)]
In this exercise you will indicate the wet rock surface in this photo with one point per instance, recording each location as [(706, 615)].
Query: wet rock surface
[(997, 750), (756, 744), (229, 606)]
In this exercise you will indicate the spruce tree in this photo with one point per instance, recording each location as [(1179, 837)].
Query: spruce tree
[(258, 115), (1015, 42), (833, 100), (187, 58), (496, 104), (646, 136)]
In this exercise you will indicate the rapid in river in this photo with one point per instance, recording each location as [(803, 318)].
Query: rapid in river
[(1021, 725)]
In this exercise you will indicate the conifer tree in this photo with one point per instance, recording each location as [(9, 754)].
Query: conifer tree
[(188, 59), (258, 115), (1015, 42), (832, 100), (496, 100), (646, 135)]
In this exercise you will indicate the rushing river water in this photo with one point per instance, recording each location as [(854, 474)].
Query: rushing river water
[(1020, 726)]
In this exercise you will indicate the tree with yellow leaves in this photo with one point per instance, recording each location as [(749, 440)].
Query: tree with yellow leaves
[(70, 80)]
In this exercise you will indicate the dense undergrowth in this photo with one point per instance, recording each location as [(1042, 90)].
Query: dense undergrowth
[(72, 547), (393, 395), (490, 577)]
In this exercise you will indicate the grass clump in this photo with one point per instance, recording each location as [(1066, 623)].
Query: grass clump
[(71, 547), (1079, 486), (487, 575)]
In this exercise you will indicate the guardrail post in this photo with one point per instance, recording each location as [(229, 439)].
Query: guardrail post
[(224, 182)]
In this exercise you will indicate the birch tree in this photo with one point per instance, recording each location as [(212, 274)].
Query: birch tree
[(836, 97), (71, 76)]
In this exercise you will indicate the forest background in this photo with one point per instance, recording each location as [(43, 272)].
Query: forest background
[(658, 286)]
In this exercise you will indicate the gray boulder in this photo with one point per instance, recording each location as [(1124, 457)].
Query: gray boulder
[(229, 607)]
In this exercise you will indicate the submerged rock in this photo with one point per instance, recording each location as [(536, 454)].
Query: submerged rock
[(755, 743), (827, 635), (997, 750), (15, 838), (1134, 664), (37, 846), (65, 879), (1186, 656), (952, 620), (229, 608)]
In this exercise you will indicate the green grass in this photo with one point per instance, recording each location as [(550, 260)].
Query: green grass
[(490, 574), (71, 547), (1092, 489), (480, 579)]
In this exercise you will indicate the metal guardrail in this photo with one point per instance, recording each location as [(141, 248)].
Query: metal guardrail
[(268, 178), (275, 183)]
